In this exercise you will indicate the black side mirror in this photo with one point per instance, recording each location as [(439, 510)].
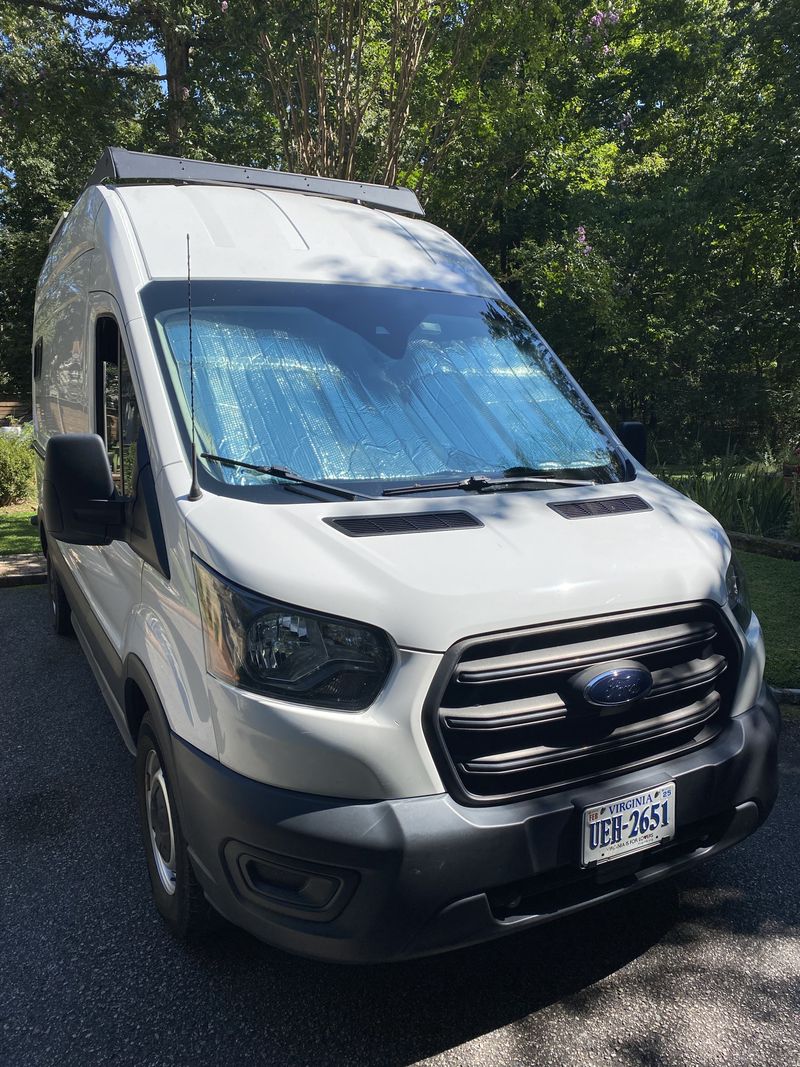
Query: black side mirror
[(634, 436), (80, 501)]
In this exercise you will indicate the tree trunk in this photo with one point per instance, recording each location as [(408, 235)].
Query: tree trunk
[(176, 60)]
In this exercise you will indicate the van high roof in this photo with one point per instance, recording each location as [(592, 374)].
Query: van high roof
[(267, 225)]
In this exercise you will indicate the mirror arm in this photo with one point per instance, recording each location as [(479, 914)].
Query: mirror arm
[(633, 436)]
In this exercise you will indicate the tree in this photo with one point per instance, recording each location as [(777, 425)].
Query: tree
[(630, 170), (63, 101), (677, 165)]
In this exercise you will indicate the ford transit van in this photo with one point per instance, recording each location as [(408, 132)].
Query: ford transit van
[(409, 647)]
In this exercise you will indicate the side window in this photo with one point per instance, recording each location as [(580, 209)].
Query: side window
[(37, 358), (130, 423), (118, 421)]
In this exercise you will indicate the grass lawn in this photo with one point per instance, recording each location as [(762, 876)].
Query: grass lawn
[(775, 593), (16, 532)]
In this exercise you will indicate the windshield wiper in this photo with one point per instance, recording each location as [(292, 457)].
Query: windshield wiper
[(285, 473), (478, 483)]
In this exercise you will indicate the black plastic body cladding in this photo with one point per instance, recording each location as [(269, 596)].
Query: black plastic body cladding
[(358, 881)]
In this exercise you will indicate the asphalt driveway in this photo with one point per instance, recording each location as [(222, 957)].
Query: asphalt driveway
[(704, 970)]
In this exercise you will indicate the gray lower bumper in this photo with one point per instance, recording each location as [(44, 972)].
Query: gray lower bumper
[(358, 882)]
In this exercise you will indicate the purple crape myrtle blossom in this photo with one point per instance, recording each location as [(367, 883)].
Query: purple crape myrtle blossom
[(599, 25), (585, 248), (601, 20)]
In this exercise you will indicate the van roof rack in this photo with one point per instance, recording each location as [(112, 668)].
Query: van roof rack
[(120, 165)]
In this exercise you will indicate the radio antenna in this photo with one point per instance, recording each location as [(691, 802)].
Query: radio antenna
[(194, 489)]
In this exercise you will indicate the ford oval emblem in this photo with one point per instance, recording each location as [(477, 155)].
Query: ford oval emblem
[(619, 685)]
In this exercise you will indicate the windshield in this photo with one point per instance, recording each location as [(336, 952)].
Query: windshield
[(349, 383)]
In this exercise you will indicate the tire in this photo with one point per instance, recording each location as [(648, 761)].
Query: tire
[(60, 611), (176, 891)]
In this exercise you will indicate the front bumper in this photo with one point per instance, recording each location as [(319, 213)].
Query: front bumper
[(387, 880)]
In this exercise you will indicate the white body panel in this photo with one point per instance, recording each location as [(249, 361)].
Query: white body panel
[(525, 565), (249, 233), (110, 576)]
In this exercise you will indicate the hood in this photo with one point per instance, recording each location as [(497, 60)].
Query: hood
[(526, 565)]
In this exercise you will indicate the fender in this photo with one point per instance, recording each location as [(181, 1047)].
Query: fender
[(136, 676), (175, 671)]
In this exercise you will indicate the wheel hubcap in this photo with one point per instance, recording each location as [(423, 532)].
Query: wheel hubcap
[(159, 822)]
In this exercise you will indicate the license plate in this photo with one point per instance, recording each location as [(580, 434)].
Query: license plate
[(628, 824)]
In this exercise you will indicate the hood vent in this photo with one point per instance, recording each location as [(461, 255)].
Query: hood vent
[(612, 505), (415, 522)]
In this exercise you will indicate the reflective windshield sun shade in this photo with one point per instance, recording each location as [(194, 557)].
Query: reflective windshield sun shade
[(354, 383)]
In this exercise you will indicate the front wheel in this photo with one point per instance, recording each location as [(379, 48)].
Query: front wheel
[(176, 891)]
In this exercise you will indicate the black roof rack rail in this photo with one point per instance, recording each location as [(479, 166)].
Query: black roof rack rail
[(120, 165)]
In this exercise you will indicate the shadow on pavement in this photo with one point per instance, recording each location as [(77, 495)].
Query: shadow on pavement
[(680, 973)]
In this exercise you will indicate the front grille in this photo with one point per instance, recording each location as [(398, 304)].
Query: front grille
[(507, 717)]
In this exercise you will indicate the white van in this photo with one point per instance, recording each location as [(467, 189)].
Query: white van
[(420, 654)]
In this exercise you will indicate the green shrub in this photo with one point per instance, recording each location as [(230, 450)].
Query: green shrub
[(752, 501), (16, 468), (794, 522)]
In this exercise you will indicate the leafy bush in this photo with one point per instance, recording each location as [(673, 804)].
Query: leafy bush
[(752, 501), (16, 468), (794, 522)]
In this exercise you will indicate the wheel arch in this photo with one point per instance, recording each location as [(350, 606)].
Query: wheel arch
[(42, 532), (141, 696)]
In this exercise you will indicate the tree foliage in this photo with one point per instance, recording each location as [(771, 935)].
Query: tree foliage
[(630, 172)]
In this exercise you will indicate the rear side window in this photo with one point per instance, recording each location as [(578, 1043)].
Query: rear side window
[(37, 359), (118, 420)]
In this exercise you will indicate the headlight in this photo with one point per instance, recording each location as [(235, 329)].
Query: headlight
[(287, 652), (738, 598)]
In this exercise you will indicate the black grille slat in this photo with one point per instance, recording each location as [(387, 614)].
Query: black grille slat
[(592, 508), (494, 789), (413, 522), (488, 719), (527, 668), (625, 736), (573, 734), (687, 676), (512, 731)]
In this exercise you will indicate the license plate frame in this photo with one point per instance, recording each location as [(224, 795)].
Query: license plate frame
[(610, 830)]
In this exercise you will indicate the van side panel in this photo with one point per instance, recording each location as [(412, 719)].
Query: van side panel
[(63, 395), (166, 634), (74, 237), (119, 270), (160, 633)]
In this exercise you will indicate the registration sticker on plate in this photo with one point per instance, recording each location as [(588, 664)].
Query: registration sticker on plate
[(628, 824)]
